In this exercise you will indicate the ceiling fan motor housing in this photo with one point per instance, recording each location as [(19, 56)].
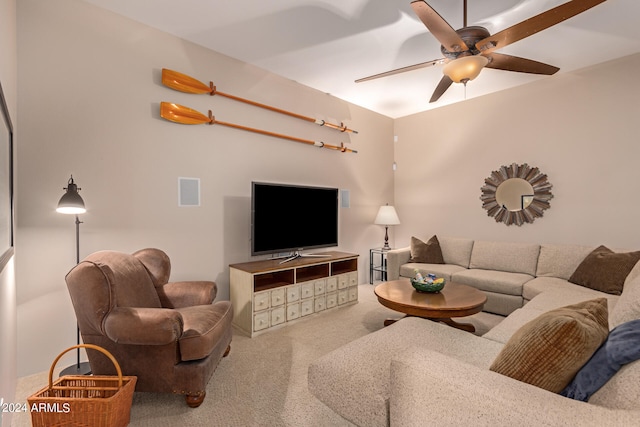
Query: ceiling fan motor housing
[(470, 36)]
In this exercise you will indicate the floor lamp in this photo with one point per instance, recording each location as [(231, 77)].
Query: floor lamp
[(72, 204)]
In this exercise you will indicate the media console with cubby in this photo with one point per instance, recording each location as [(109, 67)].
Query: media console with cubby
[(266, 293)]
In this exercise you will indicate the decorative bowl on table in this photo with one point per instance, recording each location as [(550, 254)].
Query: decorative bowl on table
[(427, 285)]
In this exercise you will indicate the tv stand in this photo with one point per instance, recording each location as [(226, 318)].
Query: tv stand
[(297, 255), (267, 294)]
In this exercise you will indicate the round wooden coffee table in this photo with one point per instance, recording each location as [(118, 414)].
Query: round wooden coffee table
[(455, 300)]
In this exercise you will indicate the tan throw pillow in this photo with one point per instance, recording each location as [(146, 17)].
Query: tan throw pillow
[(427, 253), (605, 270), (548, 351)]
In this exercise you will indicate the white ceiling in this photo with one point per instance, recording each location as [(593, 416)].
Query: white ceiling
[(327, 44)]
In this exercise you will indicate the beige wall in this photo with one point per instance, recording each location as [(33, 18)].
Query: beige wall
[(579, 128), (89, 102), (8, 336)]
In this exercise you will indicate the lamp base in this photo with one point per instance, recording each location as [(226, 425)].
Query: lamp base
[(83, 368)]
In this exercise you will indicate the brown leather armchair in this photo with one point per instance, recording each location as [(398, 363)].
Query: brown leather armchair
[(170, 335)]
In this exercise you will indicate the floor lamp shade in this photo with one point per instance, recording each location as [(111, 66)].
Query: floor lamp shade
[(71, 203), (387, 216)]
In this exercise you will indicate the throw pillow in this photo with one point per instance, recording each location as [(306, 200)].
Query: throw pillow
[(621, 347), (548, 351), (605, 270), (427, 253)]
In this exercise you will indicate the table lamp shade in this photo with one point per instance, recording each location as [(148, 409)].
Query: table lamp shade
[(387, 216)]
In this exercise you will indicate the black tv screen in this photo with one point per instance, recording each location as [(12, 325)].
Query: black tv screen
[(290, 218)]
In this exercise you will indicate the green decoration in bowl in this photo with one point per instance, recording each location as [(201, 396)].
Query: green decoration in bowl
[(429, 287)]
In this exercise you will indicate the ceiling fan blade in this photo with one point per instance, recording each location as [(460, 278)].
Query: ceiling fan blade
[(442, 87), (437, 26), (535, 24), (402, 70), (501, 61)]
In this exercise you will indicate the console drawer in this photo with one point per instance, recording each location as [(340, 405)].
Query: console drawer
[(278, 316), (261, 301), (293, 311), (261, 321), (293, 293), (306, 307), (306, 290)]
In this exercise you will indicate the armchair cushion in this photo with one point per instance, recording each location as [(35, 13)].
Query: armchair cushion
[(143, 326), (186, 294), (204, 327)]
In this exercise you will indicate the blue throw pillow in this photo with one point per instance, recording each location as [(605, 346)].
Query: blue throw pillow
[(621, 347)]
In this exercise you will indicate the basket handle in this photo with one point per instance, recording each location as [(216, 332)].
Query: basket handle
[(93, 347)]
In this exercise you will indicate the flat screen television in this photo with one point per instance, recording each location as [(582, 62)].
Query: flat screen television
[(291, 218)]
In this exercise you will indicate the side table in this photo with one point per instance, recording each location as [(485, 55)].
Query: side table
[(378, 263)]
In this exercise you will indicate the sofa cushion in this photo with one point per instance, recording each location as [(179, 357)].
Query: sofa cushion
[(501, 256), (440, 270), (622, 391), (539, 285), (204, 326), (431, 389), (493, 280), (456, 250), (605, 270), (628, 305), (562, 296), (428, 253), (354, 379), (504, 330), (560, 260), (621, 347), (548, 351)]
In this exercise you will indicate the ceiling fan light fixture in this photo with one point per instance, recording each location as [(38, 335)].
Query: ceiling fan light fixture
[(466, 68)]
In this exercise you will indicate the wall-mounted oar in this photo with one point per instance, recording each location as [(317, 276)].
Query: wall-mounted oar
[(183, 83), (187, 116)]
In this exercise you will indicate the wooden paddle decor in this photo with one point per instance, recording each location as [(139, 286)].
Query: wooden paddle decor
[(187, 116), (183, 83)]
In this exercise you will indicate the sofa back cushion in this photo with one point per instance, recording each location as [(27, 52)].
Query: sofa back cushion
[(627, 307), (456, 250), (561, 260), (512, 257)]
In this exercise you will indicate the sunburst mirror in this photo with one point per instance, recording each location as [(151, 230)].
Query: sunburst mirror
[(516, 194)]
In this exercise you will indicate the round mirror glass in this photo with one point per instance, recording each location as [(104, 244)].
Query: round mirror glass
[(514, 194)]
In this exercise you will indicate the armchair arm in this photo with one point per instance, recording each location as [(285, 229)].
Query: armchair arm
[(143, 326), (187, 294), (429, 385), (395, 258)]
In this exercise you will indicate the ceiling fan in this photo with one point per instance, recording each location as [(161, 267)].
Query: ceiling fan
[(468, 50)]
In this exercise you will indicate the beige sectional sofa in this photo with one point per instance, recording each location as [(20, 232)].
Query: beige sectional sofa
[(509, 273), (417, 372)]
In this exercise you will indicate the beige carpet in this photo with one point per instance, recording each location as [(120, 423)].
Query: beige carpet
[(263, 381)]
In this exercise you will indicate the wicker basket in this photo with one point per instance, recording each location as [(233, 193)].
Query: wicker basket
[(84, 400)]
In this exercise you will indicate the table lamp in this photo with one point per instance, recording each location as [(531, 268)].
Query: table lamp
[(387, 216)]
